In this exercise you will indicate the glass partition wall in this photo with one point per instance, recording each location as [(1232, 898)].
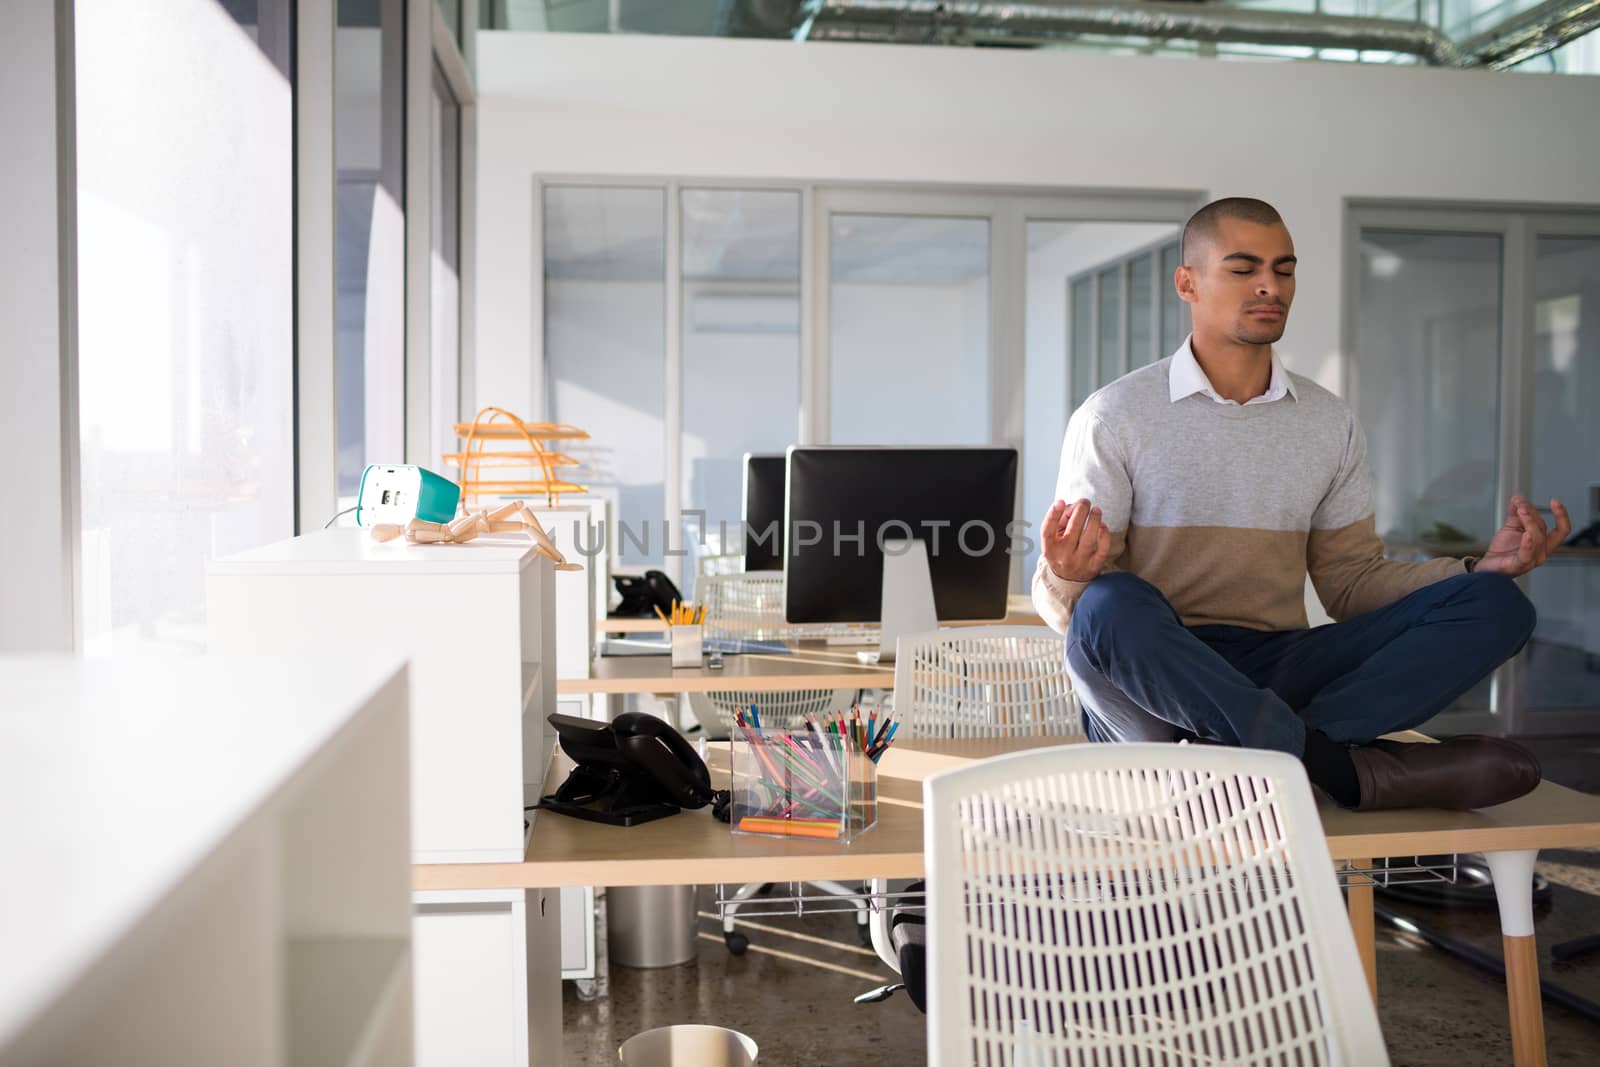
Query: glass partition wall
[(689, 322), (1476, 353)]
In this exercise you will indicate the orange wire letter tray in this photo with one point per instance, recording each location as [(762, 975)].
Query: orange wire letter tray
[(497, 426)]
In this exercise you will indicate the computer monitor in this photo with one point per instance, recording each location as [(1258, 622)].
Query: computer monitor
[(959, 501), (762, 512)]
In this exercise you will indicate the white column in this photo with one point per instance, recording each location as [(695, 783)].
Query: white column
[(419, 232), (38, 328), (316, 178)]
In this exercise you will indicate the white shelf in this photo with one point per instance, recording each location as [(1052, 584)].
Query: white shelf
[(337, 988), (244, 794)]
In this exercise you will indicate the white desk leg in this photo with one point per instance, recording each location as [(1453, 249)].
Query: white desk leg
[(1513, 889)]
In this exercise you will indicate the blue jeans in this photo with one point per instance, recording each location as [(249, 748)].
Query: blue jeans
[(1142, 675)]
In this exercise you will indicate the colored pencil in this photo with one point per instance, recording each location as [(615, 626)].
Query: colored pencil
[(754, 740), (793, 827)]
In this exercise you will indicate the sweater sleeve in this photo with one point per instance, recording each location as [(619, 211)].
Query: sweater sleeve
[(1344, 554), (1093, 467)]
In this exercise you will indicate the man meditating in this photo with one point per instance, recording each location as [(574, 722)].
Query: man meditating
[(1196, 493)]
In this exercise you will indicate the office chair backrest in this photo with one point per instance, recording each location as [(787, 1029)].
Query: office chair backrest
[(1137, 904), (746, 606), (984, 681)]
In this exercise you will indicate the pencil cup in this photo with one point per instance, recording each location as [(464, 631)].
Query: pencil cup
[(801, 785), (686, 645)]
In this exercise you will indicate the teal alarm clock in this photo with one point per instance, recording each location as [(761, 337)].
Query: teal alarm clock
[(398, 494)]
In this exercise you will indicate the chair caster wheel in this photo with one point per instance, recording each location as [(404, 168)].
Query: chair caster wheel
[(864, 934), (736, 942)]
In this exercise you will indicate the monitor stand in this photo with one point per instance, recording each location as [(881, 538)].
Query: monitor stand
[(907, 605)]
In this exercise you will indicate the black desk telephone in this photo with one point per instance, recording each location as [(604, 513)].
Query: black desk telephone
[(641, 595), (631, 770)]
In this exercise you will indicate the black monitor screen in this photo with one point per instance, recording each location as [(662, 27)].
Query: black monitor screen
[(843, 503), (763, 512)]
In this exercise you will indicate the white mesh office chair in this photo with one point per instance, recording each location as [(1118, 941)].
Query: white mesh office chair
[(1137, 904), (719, 563), (983, 681), (749, 607), (973, 681)]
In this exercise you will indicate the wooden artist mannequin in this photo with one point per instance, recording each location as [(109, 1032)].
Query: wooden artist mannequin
[(514, 517)]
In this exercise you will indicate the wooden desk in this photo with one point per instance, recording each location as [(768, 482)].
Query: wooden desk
[(1019, 612), (692, 848), (811, 665)]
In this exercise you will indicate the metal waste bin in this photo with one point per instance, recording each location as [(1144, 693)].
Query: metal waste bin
[(650, 925), (688, 1046)]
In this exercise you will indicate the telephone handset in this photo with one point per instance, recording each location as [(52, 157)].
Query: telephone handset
[(631, 770), (653, 745)]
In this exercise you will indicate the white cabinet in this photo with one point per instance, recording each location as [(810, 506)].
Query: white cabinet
[(477, 622), (484, 975), (474, 620), (207, 862), (579, 602)]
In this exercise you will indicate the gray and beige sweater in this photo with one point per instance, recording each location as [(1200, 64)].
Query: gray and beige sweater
[(1225, 508)]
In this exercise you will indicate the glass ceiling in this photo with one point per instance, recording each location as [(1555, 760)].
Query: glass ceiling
[(1460, 20)]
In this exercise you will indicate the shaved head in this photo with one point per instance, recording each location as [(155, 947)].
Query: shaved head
[(1201, 229)]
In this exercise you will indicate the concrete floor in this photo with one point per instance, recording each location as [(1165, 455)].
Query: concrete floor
[(792, 990)]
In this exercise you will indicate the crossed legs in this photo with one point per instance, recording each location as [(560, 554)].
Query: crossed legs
[(1143, 676)]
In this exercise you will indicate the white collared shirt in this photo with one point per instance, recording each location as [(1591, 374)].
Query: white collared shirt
[(1185, 378)]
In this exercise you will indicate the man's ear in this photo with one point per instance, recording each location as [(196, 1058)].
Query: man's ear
[(1183, 281)]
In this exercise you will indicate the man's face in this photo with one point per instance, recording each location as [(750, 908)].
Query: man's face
[(1241, 284)]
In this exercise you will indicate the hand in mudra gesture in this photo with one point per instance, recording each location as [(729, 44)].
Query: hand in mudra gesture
[(1076, 541), (1524, 541)]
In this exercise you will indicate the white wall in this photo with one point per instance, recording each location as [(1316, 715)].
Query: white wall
[(37, 430), (1305, 136)]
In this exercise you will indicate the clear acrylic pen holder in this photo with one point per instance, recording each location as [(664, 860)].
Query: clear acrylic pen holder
[(803, 785)]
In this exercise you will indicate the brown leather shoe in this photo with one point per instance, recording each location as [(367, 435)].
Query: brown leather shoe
[(1470, 771)]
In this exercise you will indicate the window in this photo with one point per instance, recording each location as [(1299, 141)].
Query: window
[(1077, 321), (185, 300), (369, 243), (1125, 313), (1450, 306), (687, 323), (741, 347), (1429, 339), (605, 349), (445, 271), (1564, 655), (909, 325)]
